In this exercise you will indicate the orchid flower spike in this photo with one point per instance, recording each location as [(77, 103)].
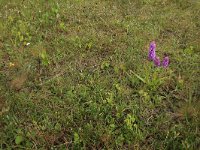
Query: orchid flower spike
[(152, 50), (165, 62)]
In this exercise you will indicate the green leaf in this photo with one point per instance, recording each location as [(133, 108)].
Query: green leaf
[(139, 77), (76, 138), (105, 64), (44, 58), (58, 127), (19, 139)]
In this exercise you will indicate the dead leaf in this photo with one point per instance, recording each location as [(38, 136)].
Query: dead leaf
[(18, 82)]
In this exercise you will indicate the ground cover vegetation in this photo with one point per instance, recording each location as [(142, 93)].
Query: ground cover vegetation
[(75, 74)]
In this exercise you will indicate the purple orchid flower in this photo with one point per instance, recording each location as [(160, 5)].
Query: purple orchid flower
[(152, 50), (157, 61), (165, 62)]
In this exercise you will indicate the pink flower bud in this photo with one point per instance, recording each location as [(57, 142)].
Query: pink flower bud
[(157, 61)]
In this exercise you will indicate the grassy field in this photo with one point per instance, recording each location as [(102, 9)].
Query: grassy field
[(74, 74)]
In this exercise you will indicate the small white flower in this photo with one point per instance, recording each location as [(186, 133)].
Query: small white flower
[(28, 44)]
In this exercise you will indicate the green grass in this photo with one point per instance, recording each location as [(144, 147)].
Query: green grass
[(84, 81)]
